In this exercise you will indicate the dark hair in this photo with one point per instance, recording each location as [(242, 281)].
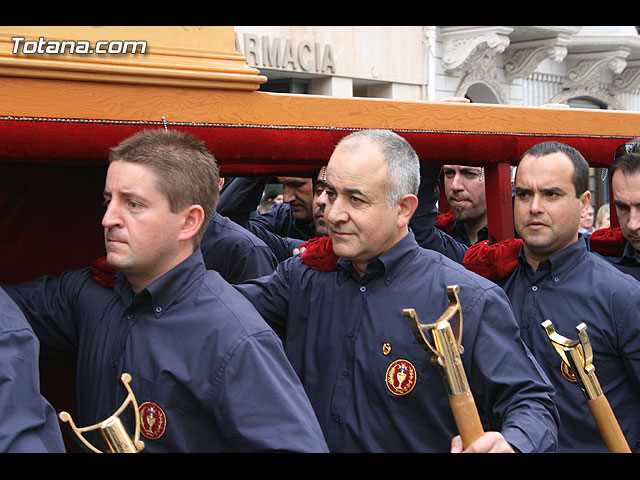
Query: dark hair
[(187, 172), (580, 165), (627, 163), (272, 194)]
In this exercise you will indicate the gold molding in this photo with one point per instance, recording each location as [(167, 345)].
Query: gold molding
[(201, 57)]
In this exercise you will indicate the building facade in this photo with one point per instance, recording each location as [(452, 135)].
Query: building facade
[(584, 66)]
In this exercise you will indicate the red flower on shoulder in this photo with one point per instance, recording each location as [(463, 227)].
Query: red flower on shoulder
[(493, 260), (609, 242), (318, 254)]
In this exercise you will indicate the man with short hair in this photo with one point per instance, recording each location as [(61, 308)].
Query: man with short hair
[(298, 193), (624, 177), (464, 187), (345, 332), (209, 375), (288, 224), (556, 278), (292, 218)]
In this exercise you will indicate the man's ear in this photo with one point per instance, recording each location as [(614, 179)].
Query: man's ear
[(585, 201), (192, 219), (407, 206)]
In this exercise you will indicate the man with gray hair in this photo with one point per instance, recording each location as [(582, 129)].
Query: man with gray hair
[(347, 338)]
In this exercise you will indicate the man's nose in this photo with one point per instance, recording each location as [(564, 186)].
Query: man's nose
[(536, 205), (321, 199), (288, 195), (456, 183), (634, 219), (335, 212), (111, 216)]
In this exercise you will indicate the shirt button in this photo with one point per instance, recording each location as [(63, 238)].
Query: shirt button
[(534, 288), (363, 289), (130, 316), (158, 309)]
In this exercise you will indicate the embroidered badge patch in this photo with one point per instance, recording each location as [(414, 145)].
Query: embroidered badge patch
[(153, 421), (567, 372), (401, 377)]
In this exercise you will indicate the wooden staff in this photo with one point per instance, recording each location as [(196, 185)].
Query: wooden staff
[(578, 356), (446, 351)]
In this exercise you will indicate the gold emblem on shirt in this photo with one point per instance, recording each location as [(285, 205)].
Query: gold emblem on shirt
[(401, 377), (153, 421)]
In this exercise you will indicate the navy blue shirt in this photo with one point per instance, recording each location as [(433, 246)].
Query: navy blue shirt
[(28, 423), (280, 220), (460, 234), (197, 351), (441, 242), (235, 253), (343, 333), (628, 262), (572, 287), (277, 228), (239, 200), (281, 247)]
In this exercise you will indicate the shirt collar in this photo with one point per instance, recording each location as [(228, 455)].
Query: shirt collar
[(387, 263), (559, 264), (631, 252), (163, 291), (629, 256), (461, 232)]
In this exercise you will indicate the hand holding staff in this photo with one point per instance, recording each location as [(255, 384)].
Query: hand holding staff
[(446, 351), (578, 355)]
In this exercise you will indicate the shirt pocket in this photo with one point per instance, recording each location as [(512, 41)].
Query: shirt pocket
[(170, 416), (405, 374)]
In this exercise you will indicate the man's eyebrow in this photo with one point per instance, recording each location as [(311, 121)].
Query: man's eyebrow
[(620, 203), (128, 193), (552, 190), (543, 190), (294, 183), (350, 190), (471, 169), (355, 191)]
